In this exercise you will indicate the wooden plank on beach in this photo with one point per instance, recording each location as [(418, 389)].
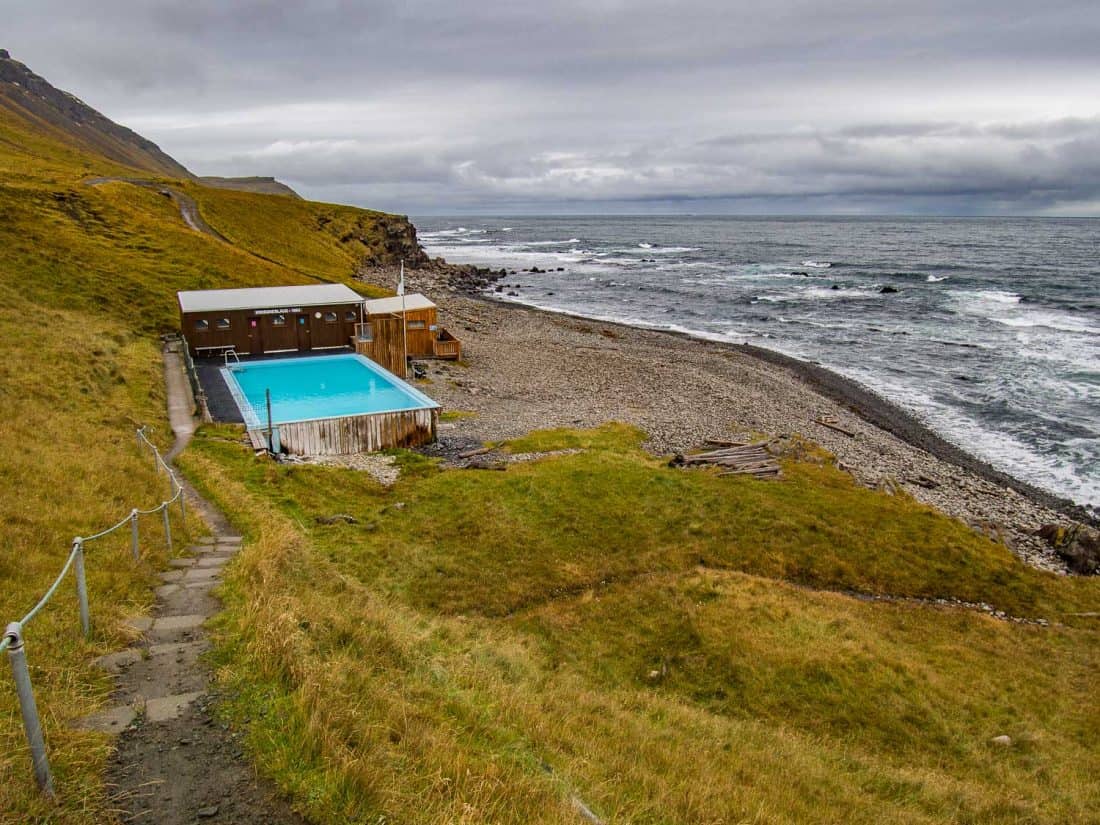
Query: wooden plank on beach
[(478, 451), (832, 425)]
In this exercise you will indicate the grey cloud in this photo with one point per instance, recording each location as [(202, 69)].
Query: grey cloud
[(796, 105)]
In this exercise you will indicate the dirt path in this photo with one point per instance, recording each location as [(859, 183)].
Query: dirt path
[(175, 763), (189, 210)]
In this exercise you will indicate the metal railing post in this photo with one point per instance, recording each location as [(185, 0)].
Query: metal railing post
[(134, 534), (31, 724), (183, 508), (167, 526), (81, 586)]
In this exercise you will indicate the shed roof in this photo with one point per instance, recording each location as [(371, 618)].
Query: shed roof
[(413, 301), (267, 297)]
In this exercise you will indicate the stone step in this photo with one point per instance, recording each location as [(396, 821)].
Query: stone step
[(140, 624), (165, 670), (117, 662), (201, 574), (187, 621), (186, 627), (181, 563), (187, 598), (110, 720), (166, 708), (212, 561)]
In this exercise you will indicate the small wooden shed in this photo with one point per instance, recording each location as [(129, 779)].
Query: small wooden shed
[(424, 337), (261, 320)]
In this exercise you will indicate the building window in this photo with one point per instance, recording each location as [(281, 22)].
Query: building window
[(351, 316), (330, 317), (416, 325), (202, 325), (223, 323), (278, 320)]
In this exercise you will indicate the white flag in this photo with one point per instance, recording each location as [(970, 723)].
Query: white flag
[(401, 281)]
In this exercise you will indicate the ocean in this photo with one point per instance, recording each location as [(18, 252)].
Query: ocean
[(988, 330)]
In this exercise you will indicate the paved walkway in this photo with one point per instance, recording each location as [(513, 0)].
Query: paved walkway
[(175, 763)]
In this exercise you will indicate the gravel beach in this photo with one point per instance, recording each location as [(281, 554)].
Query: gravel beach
[(525, 369)]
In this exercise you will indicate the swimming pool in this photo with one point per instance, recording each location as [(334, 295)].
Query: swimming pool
[(331, 403)]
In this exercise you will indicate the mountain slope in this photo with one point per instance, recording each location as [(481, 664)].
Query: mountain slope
[(65, 117), (68, 118)]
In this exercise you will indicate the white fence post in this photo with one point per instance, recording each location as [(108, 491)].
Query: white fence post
[(32, 726), (134, 534), (81, 586), (167, 526)]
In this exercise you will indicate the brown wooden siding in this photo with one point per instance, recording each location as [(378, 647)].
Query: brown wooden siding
[(381, 341), (447, 346), (420, 332), (256, 331), (425, 338), (360, 433)]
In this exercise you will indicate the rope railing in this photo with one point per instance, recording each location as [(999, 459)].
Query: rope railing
[(13, 639)]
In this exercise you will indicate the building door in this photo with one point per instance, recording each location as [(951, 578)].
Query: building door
[(255, 336), (302, 322)]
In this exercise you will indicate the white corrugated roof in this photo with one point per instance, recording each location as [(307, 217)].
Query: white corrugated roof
[(413, 301), (267, 297)]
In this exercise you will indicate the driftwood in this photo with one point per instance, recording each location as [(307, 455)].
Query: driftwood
[(924, 481), (832, 425), (478, 451), (735, 459)]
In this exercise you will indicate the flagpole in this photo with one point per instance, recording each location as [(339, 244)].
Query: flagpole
[(404, 318)]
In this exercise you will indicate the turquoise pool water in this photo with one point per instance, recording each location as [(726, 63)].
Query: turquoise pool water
[(329, 386)]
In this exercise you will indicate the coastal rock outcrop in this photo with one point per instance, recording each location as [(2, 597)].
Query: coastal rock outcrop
[(1077, 545)]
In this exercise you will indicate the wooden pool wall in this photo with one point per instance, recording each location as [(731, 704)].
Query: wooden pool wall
[(359, 433)]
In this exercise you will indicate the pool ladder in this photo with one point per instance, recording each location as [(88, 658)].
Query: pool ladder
[(236, 358)]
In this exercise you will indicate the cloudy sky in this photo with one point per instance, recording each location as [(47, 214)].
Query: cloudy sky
[(785, 106)]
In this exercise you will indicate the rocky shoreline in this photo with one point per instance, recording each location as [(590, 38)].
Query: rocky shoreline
[(527, 369)]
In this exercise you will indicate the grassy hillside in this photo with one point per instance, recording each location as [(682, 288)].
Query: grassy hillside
[(88, 276), (666, 645), (328, 240)]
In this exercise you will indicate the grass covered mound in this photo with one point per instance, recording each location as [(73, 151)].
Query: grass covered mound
[(665, 645)]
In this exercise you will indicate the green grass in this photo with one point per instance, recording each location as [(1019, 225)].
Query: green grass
[(326, 240), (672, 644), (88, 276)]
